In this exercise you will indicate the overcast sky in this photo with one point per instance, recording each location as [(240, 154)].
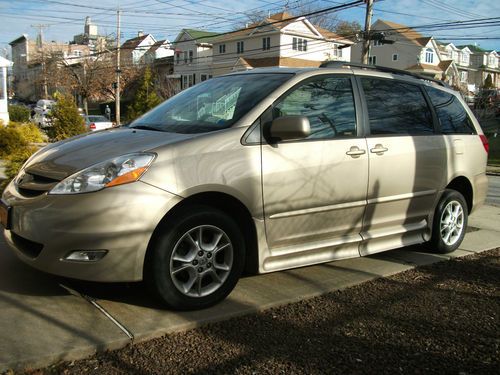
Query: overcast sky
[(164, 18)]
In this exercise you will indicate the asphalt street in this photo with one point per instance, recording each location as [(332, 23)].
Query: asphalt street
[(493, 197)]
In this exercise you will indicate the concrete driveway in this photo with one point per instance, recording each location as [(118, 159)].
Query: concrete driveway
[(44, 318)]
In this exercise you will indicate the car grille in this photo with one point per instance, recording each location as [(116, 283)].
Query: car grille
[(32, 185), (29, 248)]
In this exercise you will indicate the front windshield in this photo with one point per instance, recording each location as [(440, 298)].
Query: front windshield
[(211, 105)]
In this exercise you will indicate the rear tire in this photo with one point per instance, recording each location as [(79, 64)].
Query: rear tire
[(450, 223), (196, 259)]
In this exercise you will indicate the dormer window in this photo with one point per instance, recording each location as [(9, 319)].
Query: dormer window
[(429, 56)]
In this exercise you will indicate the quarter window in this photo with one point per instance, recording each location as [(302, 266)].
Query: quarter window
[(328, 104), (451, 114), (396, 108)]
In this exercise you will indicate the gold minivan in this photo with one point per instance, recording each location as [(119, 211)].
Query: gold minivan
[(257, 171)]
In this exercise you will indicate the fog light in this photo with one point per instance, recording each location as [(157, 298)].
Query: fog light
[(86, 255)]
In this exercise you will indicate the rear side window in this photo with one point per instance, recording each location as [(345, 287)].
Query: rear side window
[(396, 108), (327, 102), (451, 114)]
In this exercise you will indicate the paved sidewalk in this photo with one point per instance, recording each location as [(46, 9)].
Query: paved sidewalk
[(44, 319)]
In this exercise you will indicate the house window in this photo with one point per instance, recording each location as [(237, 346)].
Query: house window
[(463, 76), (299, 44), (491, 60), (240, 47), (77, 52), (185, 57), (372, 60), (178, 55), (377, 43), (190, 80), (222, 48), (395, 57), (194, 78), (266, 43), (429, 56), (184, 82), (465, 58), (204, 76), (190, 56)]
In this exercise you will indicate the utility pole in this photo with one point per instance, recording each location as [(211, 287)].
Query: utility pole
[(366, 35), (118, 71), (40, 28)]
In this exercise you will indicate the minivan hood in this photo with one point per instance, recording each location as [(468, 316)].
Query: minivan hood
[(62, 159)]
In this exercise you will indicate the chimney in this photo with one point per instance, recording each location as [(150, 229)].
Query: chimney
[(140, 33)]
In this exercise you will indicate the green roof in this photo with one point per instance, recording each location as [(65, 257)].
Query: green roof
[(205, 36), (475, 48)]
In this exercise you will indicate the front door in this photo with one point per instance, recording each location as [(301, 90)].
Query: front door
[(314, 190)]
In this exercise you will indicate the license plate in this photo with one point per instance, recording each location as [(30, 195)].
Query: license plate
[(4, 215)]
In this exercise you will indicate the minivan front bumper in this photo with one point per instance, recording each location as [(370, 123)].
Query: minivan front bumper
[(121, 220)]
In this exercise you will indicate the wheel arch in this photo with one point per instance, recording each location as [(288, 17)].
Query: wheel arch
[(232, 207), (463, 185)]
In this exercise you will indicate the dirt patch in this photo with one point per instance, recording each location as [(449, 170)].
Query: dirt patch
[(441, 318)]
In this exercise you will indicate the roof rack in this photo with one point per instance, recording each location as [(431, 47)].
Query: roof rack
[(339, 64)]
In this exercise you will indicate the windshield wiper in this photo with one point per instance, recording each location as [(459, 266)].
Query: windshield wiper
[(145, 127)]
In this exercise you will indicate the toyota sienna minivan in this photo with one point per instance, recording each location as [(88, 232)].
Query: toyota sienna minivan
[(258, 171)]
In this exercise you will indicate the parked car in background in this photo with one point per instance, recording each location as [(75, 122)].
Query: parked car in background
[(97, 122), (260, 171), (41, 112)]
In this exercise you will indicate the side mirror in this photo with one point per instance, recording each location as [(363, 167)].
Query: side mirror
[(288, 128)]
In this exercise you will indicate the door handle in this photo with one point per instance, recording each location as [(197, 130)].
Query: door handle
[(379, 149), (355, 152)]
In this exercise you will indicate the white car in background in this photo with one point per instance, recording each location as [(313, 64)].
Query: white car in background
[(94, 123)]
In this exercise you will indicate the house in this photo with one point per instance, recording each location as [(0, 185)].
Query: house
[(133, 50), (32, 60), (278, 40), (462, 59), (193, 57), (410, 51), (159, 50), (484, 62)]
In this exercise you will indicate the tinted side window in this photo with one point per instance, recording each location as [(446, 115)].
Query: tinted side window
[(396, 107), (327, 102), (451, 114)]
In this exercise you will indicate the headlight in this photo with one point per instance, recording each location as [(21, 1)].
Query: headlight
[(118, 171)]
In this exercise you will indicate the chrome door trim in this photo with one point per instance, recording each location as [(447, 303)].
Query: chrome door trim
[(319, 209), (400, 197)]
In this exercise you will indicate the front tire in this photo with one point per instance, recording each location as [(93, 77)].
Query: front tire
[(195, 259), (450, 223)]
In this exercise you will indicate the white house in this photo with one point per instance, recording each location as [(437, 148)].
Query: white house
[(193, 56), (462, 59), (4, 97), (278, 41), (134, 49)]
